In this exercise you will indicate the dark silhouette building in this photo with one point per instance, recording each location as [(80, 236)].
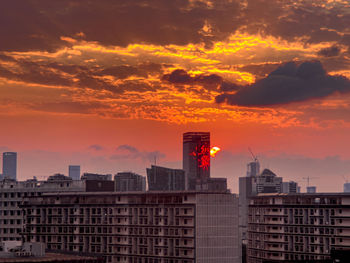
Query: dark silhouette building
[(165, 179), (9, 165), (127, 181)]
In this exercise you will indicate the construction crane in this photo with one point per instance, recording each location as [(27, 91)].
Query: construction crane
[(346, 180), (308, 179), (255, 158)]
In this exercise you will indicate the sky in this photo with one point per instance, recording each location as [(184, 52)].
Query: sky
[(113, 85)]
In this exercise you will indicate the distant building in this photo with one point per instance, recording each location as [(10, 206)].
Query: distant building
[(267, 182), (165, 179), (249, 186), (253, 168), (9, 165), (196, 159), (311, 189), (217, 184), (347, 187), (127, 181), (290, 187), (93, 176), (59, 177), (299, 228), (166, 226), (74, 172)]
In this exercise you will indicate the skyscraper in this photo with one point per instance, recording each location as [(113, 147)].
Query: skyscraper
[(9, 165), (74, 172), (196, 159)]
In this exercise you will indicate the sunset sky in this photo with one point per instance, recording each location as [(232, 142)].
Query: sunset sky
[(111, 84)]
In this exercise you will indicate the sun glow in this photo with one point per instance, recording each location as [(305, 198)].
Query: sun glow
[(214, 150)]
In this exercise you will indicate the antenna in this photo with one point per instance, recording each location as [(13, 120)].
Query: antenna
[(308, 179), (255, 158)]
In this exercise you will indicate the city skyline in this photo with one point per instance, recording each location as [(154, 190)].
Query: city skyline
[(110, 85)]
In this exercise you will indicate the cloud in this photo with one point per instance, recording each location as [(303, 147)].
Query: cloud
[(47, 25), (208, 81), (332, 51), (40, 25), (69, 107), (95, 147), (130, 152), (288, 83)]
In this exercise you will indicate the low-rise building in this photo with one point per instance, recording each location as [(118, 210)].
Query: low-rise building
[(298, 227), (166, 226)]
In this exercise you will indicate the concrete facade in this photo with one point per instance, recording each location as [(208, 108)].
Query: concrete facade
[(12, 194), (138, 227), (297, 227)]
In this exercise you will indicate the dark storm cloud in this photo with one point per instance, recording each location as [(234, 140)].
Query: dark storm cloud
[(53, 73), (260, 70), (40, 24), (332, 51), (130, 152), (208, 82), (181, 77), (288, 83)]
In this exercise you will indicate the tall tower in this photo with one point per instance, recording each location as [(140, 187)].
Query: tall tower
[(196, 159), (9, 165), (74, 172)]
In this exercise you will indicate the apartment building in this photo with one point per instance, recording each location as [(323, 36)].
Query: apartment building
[(298, 227), (12, 193), (164, 227)]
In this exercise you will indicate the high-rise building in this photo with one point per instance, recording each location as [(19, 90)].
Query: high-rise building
[(289, 187), (74, 172), (252, 185), (196, 159), (12, 194), (298, 227), (165, 179), (166, 226), (9, 165), (253, 168), (127, 181), (267, 182)]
